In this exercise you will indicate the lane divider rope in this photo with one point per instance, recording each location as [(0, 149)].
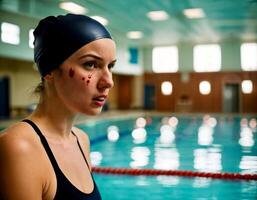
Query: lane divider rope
[(155, 172)]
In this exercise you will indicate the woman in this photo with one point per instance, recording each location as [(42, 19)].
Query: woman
[(45, 157)]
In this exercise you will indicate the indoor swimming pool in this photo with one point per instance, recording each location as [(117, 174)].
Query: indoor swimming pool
[(199, 143)]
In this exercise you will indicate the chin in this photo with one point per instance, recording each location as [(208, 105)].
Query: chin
[(93, 112)]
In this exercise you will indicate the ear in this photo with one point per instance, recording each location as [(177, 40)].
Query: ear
[(49, 77)]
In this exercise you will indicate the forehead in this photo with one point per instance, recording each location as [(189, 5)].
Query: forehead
[(105, 48)]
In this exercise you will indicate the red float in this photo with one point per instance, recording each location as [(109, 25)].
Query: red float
[(156, 172)]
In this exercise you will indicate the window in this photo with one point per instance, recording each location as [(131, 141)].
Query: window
[(10, 33), (166, 88), (165, 59), (31, 38), (205, 87), (207, 58), (248, 56)]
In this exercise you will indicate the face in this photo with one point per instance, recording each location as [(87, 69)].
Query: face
[(85, 78)]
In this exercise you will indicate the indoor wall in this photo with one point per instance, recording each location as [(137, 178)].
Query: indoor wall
[(186, 97)]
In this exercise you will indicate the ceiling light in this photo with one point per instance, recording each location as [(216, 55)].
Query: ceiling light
[(135, 34), (100, 19), (73, 7), (194, 13), (158, 15)]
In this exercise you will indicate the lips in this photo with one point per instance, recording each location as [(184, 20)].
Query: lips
[(99, 100)]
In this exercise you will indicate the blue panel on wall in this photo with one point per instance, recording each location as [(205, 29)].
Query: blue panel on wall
[(133, 55)]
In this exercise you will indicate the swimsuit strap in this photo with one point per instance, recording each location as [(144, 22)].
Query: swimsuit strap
[(44, 143), (65, 189), (81, 149), (47, 147)]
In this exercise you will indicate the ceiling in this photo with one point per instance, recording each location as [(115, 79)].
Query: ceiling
[(224, 19)]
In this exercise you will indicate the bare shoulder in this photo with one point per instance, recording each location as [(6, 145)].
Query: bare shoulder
[(19, 145), (18, 138), (19, 158)]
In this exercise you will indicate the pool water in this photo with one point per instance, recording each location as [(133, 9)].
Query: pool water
[(196, 143), (116, 187)]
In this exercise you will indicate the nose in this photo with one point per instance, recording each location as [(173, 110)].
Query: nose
[(106, 81)]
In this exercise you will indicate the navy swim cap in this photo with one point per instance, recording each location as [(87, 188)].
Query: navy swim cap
[(57, 38)]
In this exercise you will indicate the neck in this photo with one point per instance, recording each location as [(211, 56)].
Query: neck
[(54, 117)]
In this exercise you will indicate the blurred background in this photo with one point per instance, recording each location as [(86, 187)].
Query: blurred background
[(185, 95), (181, 56)]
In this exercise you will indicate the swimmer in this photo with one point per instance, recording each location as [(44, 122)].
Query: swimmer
[(45, 157)]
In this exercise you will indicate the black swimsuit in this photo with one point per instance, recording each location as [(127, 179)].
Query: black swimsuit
[(65, 189)]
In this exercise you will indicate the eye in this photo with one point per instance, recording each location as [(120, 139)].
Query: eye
[(110, 66), (89, 64)]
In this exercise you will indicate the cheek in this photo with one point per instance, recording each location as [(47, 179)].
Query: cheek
[(76, 77), (71, 80), (87, 81)]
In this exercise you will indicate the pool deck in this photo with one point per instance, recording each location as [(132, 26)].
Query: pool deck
[(122, 114)]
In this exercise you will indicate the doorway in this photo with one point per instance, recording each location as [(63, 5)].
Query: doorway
[(4, 98), (149, 97), (125, 92), (231, 98)]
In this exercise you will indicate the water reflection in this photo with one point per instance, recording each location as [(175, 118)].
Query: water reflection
[(243, 122), (206, 130), (96, 158), (168, 181), (139, 156), (253, 124), (167, 134), (113, 133), (246, 132), (173, 121), (200, 182), (139, 135), (140, 122), (205, 135), (166, 158), (207, 160), (167, 130), (166, 155), (248, 164), (142, 181), (246, 137)]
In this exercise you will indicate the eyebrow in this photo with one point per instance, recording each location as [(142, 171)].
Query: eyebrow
[(94, 56)]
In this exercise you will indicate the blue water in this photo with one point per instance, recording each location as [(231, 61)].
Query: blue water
[(221, 144), (114, 187)]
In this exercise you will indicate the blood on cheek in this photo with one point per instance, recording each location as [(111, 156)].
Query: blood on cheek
[(88, 79), (71, 72)]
